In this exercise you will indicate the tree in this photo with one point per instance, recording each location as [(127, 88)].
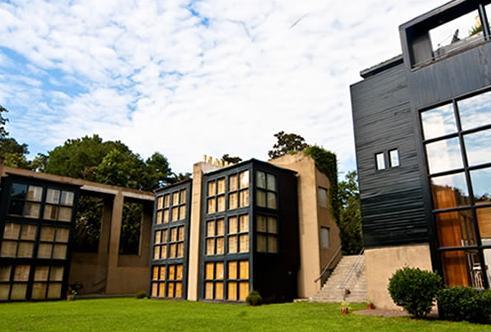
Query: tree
[(38, 164), (14, 153), (157, 169), (232, 160), (121, 168), (287, 143), (350, 214), (3, 122)]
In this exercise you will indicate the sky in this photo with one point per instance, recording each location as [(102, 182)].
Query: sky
[(192, 78)]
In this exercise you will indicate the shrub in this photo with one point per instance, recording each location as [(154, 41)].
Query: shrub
[(462, 303), (141, 295), (415, 290), (254, 298)]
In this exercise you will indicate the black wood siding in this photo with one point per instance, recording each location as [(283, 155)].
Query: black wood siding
[(392, 200)]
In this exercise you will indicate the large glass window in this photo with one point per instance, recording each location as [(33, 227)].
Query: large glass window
[(266, 234), (444, 155), (323, 197), (475, 111), (167, 281), (456, 229), (238, 188), (450, 191), (237, 280), (214, 280), (438, 122), (478, 147), (18, 240), (481, 184), (58, 205), (25, 200), (215, 237), (238, 234)]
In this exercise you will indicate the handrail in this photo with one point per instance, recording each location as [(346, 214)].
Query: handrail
[(352, 270), (327, 266)]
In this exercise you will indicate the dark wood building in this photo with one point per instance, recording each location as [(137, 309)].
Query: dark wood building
[(422, 125)]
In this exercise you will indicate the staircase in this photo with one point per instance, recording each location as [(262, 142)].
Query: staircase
[(347, 282)]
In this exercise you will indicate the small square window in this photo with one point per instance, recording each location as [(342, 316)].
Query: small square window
[(394, 158), (380, 158)]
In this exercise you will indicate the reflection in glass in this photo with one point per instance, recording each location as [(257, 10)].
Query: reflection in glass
[(444, 155), (475, 111), (462, 268), (487, 261), (478, 147), (449, 191), (438, 122), (484, 222), (455, 229), (481, 184)]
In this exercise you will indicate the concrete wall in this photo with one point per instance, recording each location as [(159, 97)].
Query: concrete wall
[(381, 263), (311, 218)]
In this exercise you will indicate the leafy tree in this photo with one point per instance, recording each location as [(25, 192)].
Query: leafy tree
[(39, 163), (350, 214), (14, 153), (121, 169), (230, 159), (287, 143), (157, 169)]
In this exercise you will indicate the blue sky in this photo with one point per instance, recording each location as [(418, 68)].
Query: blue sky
[(188, 78)]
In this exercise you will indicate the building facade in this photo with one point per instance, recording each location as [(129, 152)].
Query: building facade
[(422, 125), (243, 227)]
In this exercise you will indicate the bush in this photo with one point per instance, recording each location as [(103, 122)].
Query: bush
[(141, 295), (254, 298), (462, 303), (415, 290)]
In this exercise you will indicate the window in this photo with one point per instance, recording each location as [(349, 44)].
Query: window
[(238, 234), (53, 243), (58, 205), (444, 155), (215, 237), (322, 197), (475, 111), (267, 234), (481, 184), (25, 200), (238, 187), (47, 282), (325, 239), (478, 147), (449, 191), (266, 190), (438, 122), (394, 158), (237, 280), (214, 281), (18, 240), (129, 242), (380, 159), (171, 207), (167, 281), (216, 196)]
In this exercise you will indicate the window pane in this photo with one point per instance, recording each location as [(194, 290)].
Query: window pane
[(50, 212), (160, 202), (31, 210), (35, 193), (211, 188), (244, 223), (322, 197), (380, 158), (47, 234), (178, 289), (484, 220), (220, 230), (9, 249), (232, 270), (272, 244), (233, 201), (481, 184), (271, 200), (158, 217), (182, 212), (394, 158), (39, 291), (221, 186), (16, 208), (244, 243), (179, 272), (22, 272), (232, 225), (243, 290), (18, 191), (5, 273), (166, 216), (210, 228), (209, 291), (65, 214), (244, 179), (209, 274), (244, 198), (210, 247), (455, 229), (54, 291), (59, 251), (67, 198), (62, 235), (325, 238), (41, 273), (449, 191), (233, 183), (444, 155), (219, 275), (182, 197), (261, 243), (261, 224), (244, 270), (232, 244), (462, 268), (261, 180), (456, 34), (166, 200), (180, 250), (271, 182), (175, 213), (56, 273), (25, 249), (11, 231), (487, 261), (44, 250), (211, 205), (28, 232), (478, 147), (220, 246), (53, 196), (272, 225), (439, 122), (232, 291), (221, 203), (175, 199), (475, 111), (4, 292), (261, 198)]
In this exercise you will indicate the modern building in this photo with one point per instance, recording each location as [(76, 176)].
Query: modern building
[(38, 260), (422, 124), (264, 226)]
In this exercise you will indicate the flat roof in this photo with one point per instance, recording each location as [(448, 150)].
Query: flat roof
[(378, 68)]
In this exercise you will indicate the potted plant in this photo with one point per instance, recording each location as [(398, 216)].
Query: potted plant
[(345, 308)]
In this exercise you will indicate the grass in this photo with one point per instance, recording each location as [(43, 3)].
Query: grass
[(151, 315)]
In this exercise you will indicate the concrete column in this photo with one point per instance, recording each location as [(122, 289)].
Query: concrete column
[(116, 221)]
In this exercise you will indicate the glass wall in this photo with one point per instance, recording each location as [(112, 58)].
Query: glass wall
[(457, 139), (169, 231), (36, 234)]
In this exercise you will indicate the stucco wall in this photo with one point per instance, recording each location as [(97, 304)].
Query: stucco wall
[(381, 263)]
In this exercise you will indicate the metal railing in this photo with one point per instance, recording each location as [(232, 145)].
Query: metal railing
[(355, 269), (328, 268)]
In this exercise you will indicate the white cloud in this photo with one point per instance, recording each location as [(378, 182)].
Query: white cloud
[(159, 78)]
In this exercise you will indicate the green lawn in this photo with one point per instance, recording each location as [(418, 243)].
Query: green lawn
[(151, 315)]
